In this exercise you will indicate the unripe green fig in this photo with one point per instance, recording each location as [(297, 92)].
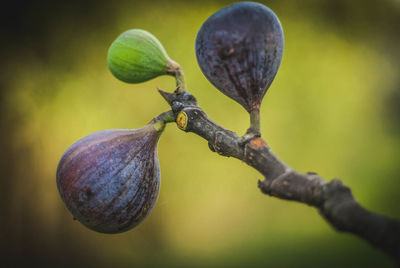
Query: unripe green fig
[(137, 56), (110, 179)]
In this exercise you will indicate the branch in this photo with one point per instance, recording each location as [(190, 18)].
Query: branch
[(334, 200)]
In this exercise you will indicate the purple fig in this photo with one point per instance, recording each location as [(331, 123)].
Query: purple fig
[(110, 179), (239, 50)]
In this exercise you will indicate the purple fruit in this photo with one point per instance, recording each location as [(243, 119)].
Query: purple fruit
[(239, 50), (110, 179)]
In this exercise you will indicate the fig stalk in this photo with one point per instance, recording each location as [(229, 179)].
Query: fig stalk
[(174, 69), (162, 119), (254, 122)]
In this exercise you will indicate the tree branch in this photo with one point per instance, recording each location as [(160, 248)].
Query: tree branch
[(334, 200)]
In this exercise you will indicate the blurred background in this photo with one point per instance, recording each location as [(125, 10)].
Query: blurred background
[(334, 108)]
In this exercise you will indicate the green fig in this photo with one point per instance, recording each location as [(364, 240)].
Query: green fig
[(137, 56)]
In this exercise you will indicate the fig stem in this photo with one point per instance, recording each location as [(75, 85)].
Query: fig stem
[(160, 121), (166, 117), (255, 121), (180, 81), (174, 69)]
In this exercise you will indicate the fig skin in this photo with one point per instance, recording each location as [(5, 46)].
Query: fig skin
[(110, 179), (239, 49)]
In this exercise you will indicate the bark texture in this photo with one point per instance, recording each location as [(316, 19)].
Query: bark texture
[(333, 200)]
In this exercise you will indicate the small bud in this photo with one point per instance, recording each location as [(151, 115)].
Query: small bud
[(182, 120)]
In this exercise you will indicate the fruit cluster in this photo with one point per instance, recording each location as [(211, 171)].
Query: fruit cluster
[(110, 179)]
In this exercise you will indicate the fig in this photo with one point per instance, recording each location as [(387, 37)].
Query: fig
[(110, 180), (137, 56), (239, 49)]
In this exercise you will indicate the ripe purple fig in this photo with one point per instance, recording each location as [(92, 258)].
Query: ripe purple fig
[(239, 50), (110, 179)]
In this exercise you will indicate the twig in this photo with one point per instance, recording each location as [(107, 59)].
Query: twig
[(334, 200)]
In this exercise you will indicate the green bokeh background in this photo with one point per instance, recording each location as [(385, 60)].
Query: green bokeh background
[(333, 109)]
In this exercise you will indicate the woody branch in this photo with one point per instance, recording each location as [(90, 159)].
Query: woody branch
[(333, 199)]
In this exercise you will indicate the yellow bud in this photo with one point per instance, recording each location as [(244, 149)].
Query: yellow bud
[(181, 120)]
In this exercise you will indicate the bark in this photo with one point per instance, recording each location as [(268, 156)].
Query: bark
[(333, 200)]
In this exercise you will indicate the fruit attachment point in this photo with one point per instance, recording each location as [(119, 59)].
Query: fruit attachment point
[(160, 121), (174, 69), (255, 122)]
